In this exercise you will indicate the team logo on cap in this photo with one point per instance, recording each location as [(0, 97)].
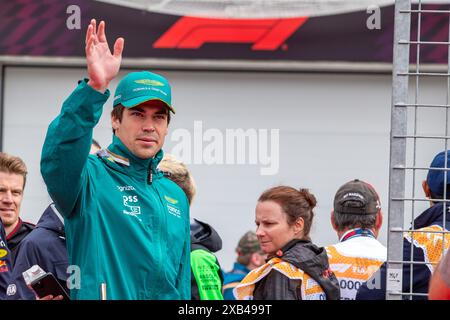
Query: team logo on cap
[(353, 194), (150, 82)]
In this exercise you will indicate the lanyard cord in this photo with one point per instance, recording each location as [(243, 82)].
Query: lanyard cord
[(359, 232)]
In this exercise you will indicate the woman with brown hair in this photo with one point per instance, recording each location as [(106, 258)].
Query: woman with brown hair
[(296, 269)]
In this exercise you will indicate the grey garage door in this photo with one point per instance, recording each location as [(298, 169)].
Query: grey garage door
[(240, 133)]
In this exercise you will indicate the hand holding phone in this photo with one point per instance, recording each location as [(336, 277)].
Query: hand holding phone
[(44, 284)]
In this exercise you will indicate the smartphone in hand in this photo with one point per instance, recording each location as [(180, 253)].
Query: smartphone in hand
[(44, 283)]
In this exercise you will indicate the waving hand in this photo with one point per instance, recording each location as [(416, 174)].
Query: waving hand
[(102, 65)]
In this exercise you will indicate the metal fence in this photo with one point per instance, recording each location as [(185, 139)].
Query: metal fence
[(413, 148)]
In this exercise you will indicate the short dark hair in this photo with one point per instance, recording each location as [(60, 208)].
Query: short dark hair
[(440, 197), (344, 221), (117, 113)]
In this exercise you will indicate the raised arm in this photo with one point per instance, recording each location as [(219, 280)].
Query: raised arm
[(67, 144)]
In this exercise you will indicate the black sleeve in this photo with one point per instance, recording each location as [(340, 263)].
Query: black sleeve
[(276, 286)]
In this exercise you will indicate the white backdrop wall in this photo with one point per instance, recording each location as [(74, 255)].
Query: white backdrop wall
[(332, 128)]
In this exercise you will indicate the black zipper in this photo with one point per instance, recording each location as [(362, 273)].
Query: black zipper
[(162, 223)]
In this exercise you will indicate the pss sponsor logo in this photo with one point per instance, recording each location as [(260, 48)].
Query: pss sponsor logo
[(131, 206)]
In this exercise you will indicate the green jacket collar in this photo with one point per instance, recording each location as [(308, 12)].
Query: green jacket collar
[(122, 155)]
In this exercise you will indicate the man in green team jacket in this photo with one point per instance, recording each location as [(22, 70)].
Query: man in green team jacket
[(127, 226)]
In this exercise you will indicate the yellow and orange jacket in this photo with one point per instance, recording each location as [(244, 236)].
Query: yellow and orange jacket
[(300, 271), (354, 260), (424, 247)]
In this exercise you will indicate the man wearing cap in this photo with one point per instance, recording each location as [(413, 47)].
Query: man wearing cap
[(424, 246), (127, 226), (357, 219), (250, 256)]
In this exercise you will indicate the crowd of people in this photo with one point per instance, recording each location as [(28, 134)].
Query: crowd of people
[(121, 215)]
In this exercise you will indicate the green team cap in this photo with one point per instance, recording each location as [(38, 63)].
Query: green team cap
[(138, 87)]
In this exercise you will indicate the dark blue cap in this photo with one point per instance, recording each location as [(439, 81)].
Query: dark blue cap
[(435, 178)]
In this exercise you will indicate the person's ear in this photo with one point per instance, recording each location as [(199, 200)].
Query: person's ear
[(299, 225), (115, 123), (426, 189), (254, 258), (333, 221), (379, 221), (257, 259)]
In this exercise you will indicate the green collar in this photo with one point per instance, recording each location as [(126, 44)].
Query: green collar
[(122, 155)]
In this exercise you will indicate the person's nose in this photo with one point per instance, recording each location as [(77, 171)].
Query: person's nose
[(148, 126), (259, 232), (7, 197)]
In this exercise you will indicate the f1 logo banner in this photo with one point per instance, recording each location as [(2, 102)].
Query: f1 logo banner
[(264, 34), (52, 28)]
